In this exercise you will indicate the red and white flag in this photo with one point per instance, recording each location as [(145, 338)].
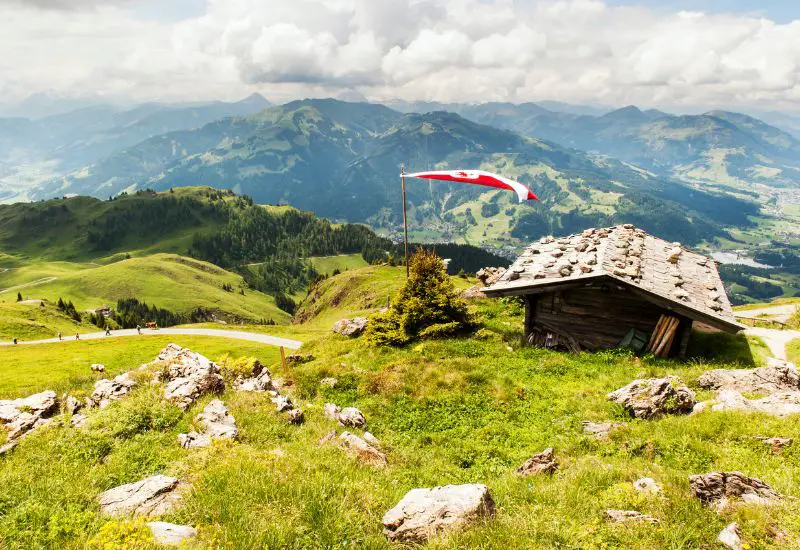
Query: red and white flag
[(478, 177)]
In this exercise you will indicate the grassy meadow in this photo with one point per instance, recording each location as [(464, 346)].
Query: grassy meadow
[(468, 409)]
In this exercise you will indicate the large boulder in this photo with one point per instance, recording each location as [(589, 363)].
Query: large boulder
[(653, 397), (187, 375), (350, 417), (152, 496), (423, 513), (362, 450), (777, 404), (20, 416), (779, 376), (169, 534), (107, 391), (350, 327), (718, 488), (215, 423)]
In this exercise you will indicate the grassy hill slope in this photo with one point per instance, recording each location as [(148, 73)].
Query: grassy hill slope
[(33, 321), (459, 410)]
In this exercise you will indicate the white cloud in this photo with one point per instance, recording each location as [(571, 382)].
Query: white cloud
[(443, 50)]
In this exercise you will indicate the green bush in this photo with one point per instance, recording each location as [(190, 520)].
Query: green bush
[(427, 306)]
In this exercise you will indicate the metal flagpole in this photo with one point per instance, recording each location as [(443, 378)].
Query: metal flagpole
[(405, 222)]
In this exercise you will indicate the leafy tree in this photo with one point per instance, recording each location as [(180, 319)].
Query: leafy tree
[(427, 306)]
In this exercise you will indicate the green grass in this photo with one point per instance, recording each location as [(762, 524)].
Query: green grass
[(461, 410), (326, 265), (793, 351), (30, 321), (176, 283)]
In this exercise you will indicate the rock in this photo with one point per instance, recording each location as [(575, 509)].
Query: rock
[(371, 439), (349, 416), (647, 485), (78, 420), (72, 405), (650, 398), (97, 367), (170, 534), (629, 516), (23, 415), (362, 450), (600, 430), (215, 423), (282, 403), (350, 327), (423, 513), (473, 292), (718, 487), (188, 375), (778, 404), (152, 496), (777, 443), (327, 437), (260, 383), (296, 416), (542, 463), (8, 447), (329, 382), (299, 359), (107, 391), (729, 537), (490, 275), (778, 377)]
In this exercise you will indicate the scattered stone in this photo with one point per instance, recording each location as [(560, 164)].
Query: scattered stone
[(299, 358), (349, 416), (215, 423), (362, 450), (72, 405), (282, 403), (542, 463), (153, 496), (490, 275), (327, 437), (718, 487), (8, 447), (23, 415), (729, 537), (629, 516), (423, 513), (601, 430), (650, 398), (107, 391), (777, 377), (329, 382), (260, 383), (188, 375), (78, 420), (170, 534), (777, 443), (296, 416), (350, 327), (473, 292), (647, 485), (97, 367), (778, 404), (371, 439)]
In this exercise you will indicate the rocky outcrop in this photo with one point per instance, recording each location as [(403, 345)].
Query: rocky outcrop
[(187, 375), (717, 488), (282, 403), (777, 443), (490, 275), (350, 327), (97, 367), (259, 383), (19, 416), (299, 358), (169, 534), (542, 463), (653, 397), (647, 485), (729, 537), (349, 416), (296, 416), (357, 447), (779, 376), (423, 513), (778, 404), (600, 430), (215, 423), (152, 496), (107, 391), (629, 516)]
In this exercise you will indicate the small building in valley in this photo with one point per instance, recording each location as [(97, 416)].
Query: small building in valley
[(618, 285)]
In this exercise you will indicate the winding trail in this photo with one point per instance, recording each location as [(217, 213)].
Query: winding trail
[(780, 312), (41, 281), (776, 340), (219, 333)]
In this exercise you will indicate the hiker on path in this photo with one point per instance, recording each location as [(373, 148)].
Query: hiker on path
[(59, 337), (77, 336), (108, 331), (138, 329), (15, 341)]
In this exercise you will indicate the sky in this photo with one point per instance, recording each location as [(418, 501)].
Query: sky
[(673, 54)]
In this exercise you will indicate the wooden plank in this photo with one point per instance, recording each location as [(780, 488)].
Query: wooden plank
[(671, 326), (661, 320)]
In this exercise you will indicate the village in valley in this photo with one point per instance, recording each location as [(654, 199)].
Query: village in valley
[(452, 281)]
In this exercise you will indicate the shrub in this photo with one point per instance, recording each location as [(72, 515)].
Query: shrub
[(241, 367), (123, 534), (427, 306)]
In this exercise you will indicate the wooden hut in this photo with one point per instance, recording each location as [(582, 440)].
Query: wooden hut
[(602, 287)]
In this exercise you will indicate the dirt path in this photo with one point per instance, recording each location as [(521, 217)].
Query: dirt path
[(776, 340), (778, 313), (236, 334), (41, 281)]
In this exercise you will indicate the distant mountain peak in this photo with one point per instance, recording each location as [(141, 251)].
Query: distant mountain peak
[(255, 99)]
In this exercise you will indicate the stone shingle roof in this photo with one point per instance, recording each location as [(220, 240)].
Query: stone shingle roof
[(627, 254)]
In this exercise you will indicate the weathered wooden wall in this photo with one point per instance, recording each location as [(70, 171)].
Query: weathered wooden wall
[(596, 317)]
